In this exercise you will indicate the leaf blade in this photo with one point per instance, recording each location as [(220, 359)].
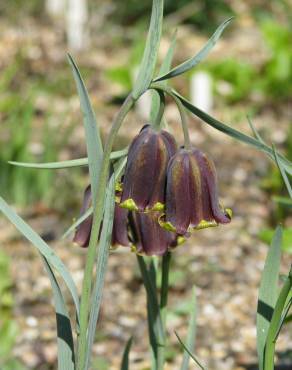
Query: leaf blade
[(197, 58), (268, 293), (147, 67), (92, 133), (101, 264), (66, 356), (43, 248), (125, 359)]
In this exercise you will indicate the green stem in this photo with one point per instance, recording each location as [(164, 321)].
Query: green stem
[(164, 285), (158, 118), (184, 121), (274, 325), (163, 306), (97, 218)]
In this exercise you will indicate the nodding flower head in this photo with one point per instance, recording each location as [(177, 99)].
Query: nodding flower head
[(145, 174), (148, 237), (120, 224), (191, 193)]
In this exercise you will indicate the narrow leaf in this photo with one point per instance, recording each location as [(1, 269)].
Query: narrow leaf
[(283, 173), (165, 67), (268, 293), (93, 140), (43, 248), (102, 258), (53, 165), (189, 352), (254, 130), (66, 164), (191, 332), (147, 67), (232, 132), (125, 359), (66, 357), (275, 322), (196, 59)]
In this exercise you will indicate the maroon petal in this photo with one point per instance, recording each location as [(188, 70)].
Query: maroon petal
[(83, 231), (178, 192), (151, 239), (120, 227)]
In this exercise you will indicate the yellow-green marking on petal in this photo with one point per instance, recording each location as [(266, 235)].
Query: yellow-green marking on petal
[(129, 204)]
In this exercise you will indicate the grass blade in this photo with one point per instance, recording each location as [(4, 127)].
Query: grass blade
[(92, 133), (149, 59), (192, 62), (66, 164), (165, 67), (254, 131), (189, 352), (191, 332), (66, 357), (102, 258), (43, 248), (52, 165), (125, 359), (283, 173), (275, 323), (232, 132), (268, 293)]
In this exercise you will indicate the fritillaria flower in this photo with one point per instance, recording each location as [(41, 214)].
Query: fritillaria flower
[(141, 231), (191, 193), (119, 232), (143, 187), (149, 238)]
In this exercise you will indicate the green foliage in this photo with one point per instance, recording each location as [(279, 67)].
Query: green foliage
[(266, 236)]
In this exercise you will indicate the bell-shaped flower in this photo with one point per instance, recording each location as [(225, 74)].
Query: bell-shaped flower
[(192, 194), (148, 237), (120, 225), (144, 180)]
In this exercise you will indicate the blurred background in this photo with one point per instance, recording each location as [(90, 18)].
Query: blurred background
[(249, 72)]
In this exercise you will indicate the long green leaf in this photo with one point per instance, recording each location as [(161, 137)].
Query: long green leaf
[(191, 332), (147, 67), (191, 355), (232, 132), (275, 323), (283, 173), (43, 248), (196, 59), (268, 293), (103, 252), (66, 164), (66, 356), (92, 133), (125, 359), (165, 67)]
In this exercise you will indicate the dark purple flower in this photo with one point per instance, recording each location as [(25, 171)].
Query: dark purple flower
[(145, 174), (119, 232), (148, 237), (191, 193)]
